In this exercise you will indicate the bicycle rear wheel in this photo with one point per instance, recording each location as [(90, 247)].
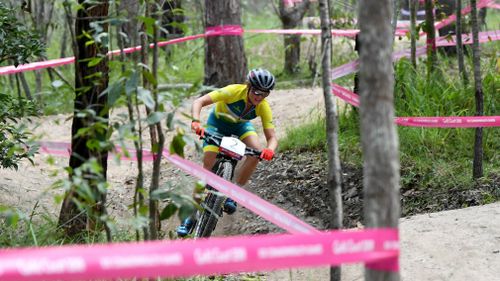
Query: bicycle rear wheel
[(213, 204)]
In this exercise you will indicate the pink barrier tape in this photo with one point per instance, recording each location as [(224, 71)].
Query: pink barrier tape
[(35, 65), (6, 70), (223, 30), (183, 258), (493, 6), (428, 122), (160, 44), (450, 19), (64, 149), (247, 199), (450, 122), (335, 32), (467, 38), (466, 10), (251, 201), (352, 66)]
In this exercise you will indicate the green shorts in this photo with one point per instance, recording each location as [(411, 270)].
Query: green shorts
[(240, 130)]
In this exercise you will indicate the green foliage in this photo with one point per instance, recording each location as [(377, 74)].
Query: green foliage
[(17, 44), (308, 136), (15, 142), (429, 156)]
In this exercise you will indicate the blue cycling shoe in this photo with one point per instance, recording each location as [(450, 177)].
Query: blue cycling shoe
[(185, 228), (230, 206)]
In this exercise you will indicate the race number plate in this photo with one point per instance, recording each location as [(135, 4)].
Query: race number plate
[(233, 147)]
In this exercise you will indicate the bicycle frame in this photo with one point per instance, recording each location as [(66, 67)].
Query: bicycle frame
[(230, 151)]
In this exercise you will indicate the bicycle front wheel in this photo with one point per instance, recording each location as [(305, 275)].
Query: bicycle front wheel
[(213, 204)]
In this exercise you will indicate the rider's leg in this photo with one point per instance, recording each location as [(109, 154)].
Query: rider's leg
[(209, 159), (250, 163)]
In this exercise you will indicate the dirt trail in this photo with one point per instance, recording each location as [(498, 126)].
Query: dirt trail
[(454, 245)]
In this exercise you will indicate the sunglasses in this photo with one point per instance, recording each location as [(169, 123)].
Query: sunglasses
[(260, 93)]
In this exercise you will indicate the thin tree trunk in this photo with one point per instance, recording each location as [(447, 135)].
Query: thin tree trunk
[(378, 132), (25, 85), (334, 180), (460, 47), (431, 36), (395, 14), (18, 86), (88, 96), (64, 42), (477, 171), (413, 31), (154, 223)]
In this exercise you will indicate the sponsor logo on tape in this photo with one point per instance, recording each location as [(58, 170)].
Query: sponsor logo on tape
[(220, 256), (351, 246), (135, 261), (290, 251)]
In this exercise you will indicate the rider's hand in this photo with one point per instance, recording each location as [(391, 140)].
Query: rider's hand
[(197, 128), (267, 154)]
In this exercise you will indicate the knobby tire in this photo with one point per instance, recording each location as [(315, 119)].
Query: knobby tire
[(208, 219)]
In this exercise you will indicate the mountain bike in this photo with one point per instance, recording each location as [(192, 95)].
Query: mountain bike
[(231, 150)]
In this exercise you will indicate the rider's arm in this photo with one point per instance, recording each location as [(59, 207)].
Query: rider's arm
[(272, 141), (198, 104)]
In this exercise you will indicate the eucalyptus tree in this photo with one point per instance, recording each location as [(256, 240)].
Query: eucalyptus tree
[(85, 199), (334, 180), (225, 60), (477, 170), (378, 132), (291, 17)]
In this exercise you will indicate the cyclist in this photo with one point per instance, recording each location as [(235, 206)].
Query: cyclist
[(235, 106)]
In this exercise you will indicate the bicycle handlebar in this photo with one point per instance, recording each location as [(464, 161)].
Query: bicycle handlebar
[(216, 138)]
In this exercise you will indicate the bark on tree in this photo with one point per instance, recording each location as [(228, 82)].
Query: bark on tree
[(378, 131), (413, 31), (459, 45), (477, 170), (291, 17), (334, 180), (225, 60), (159, 142), (395, 14), (90, 82), (431, 36)]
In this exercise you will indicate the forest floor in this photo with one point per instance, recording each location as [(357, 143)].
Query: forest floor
[(460, 244)]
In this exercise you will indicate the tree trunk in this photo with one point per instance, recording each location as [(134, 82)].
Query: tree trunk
[(477, 170), (90, 82), (378, 132), (431, 36), (154, 215), (225, 61), (291, 17), (334, 180), (395, 14), (459, 45), (413, 31), (25, 85)]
